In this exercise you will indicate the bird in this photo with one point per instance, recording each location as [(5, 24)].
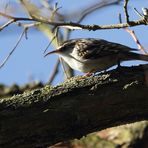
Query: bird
[(90, 55)]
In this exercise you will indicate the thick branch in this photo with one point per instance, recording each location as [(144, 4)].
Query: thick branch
[(75, 108)]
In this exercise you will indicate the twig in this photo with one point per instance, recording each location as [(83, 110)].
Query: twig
[(65, 67), (51, 9), (7, 16), (6, 24), (26, 35), (132, 33), (49, 44), (55, 36), (138, 13), (11, 52), (125, 11), (135, 38), (54, 12), (54, 72), (94, 7)]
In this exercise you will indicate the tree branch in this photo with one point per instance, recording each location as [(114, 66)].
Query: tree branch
[(75, 26), (11, 52), (126, 11), (75, 108)]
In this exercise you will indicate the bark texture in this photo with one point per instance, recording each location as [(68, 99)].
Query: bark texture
[(79, 106)]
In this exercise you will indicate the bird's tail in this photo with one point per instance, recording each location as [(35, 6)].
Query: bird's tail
[(134, 56)]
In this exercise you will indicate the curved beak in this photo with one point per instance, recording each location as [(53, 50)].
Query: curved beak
[(52, 52)]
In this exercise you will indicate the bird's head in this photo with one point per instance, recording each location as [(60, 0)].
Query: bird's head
[(65, 49)]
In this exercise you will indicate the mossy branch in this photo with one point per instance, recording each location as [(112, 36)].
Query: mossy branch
[(75, 108)]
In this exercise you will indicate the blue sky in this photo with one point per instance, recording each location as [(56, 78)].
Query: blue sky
[(28, 64)]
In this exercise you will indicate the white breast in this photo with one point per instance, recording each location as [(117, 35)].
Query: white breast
[(89, 65), (74, 64)]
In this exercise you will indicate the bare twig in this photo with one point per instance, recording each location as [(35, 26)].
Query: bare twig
[(6, 24), (54, 37), (54, 12), (132, 33), (65, 68), (94, 7), (47, 6), (138, 13), (49, 44), (54, 72), (11, 52), (7, 16), (126, 11), (26, 35), (135, 38)]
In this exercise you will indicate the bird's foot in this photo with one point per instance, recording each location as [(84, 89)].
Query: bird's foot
[(88, 74)]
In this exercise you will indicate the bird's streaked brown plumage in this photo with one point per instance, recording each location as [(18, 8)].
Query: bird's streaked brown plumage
[(90, 54)]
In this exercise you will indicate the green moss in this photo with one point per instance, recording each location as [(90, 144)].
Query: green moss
[(93, 141)]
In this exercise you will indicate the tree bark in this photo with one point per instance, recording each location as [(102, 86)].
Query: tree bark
[(79, 106)]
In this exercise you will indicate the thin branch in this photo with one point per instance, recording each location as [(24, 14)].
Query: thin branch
[(54, 72), (138, 13), (54, 12), (65, 71), (49, 43), (11, 52), (132, 33), (47, 6), (135, 38), (26, 35), (7, 16), (75, 26), (126, 11), (56, 30), (6, 24), (94, 7)]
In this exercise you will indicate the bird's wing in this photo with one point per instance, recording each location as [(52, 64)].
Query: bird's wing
[(93, 49)]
